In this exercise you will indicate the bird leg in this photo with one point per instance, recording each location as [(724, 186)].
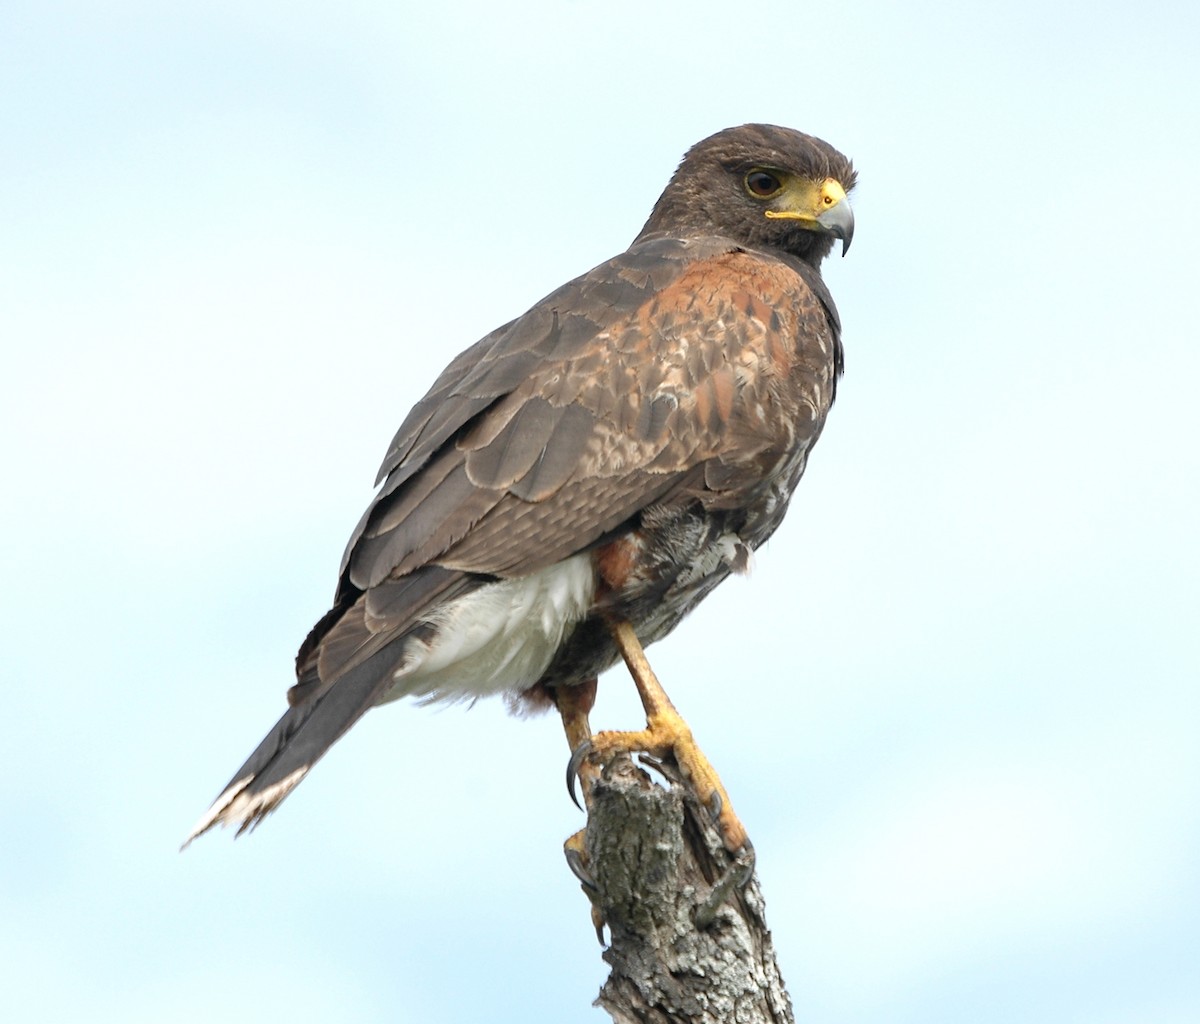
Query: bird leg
[(666, 733), (574, 703)]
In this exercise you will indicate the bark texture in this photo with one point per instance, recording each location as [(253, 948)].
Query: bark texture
[(689, 945)]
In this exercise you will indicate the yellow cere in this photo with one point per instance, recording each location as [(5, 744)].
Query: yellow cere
[(813, 201), (832, 192)]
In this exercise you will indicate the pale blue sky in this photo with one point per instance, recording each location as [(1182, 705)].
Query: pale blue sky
[(957, 704)]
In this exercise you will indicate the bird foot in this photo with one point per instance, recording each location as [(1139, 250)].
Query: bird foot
[(574, 849), (666, 735), (729, 874)]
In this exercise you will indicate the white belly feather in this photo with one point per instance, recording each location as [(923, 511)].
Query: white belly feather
[(498, 638)]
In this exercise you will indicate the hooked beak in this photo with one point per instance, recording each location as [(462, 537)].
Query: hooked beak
[(819, 207), (838, 220)]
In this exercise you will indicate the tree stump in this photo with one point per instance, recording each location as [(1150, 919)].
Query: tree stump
[(689, 942)]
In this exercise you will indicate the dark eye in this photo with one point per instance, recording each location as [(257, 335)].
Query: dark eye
[(762, 184)]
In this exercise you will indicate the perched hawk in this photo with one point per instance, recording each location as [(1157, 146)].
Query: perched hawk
[(575, 482)]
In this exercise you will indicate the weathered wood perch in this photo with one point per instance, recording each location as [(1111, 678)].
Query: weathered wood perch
[(655, 858)]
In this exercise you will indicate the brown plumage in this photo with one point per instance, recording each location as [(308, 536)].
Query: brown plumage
[(610, 455)]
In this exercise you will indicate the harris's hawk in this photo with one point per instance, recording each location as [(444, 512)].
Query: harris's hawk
[(575, 482)]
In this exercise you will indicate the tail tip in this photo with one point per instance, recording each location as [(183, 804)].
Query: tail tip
[(236, 806)]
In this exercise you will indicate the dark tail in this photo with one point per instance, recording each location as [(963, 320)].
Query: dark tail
[(298, 741)]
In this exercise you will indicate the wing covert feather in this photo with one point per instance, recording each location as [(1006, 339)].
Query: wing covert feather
[(657, 376)]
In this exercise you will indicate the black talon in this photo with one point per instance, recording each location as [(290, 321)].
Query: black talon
[(577, 758), (746, 860), (714, 805), (575, 863)]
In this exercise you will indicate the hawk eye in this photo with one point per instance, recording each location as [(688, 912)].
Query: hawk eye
[(763, 184)]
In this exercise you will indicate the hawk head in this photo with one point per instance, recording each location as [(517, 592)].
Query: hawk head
[(763, 186)]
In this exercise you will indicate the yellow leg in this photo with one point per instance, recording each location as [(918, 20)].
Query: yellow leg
[(574, 703), (666, 733)]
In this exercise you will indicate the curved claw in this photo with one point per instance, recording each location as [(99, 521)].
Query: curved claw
[(575, 863), (715, 803), (578, 756)]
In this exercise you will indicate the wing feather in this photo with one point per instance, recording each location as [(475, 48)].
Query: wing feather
[(670, 374), (498, 458), (610, 394)]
